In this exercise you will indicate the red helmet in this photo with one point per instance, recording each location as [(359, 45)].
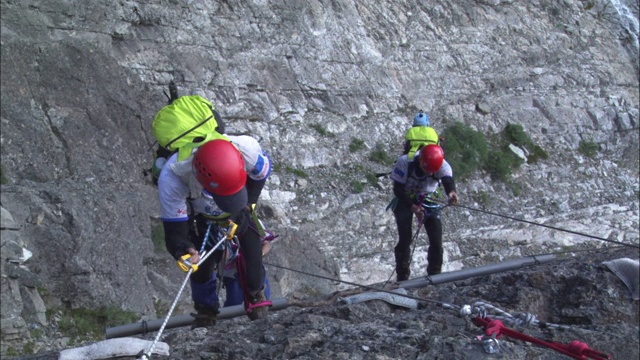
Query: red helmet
[(431, 158), (219, 168)]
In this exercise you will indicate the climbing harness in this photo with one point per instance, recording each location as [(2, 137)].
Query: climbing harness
[(184, 263)]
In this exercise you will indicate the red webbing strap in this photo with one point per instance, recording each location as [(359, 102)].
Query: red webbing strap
[(242, 277), (576, 349)]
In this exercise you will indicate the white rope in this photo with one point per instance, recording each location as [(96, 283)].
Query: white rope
[(147, 355)]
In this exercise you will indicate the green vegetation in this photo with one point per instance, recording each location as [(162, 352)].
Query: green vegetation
[(3, 179), (499, 164), (161, 307), (372, 179), (29, 348), (482, 198), (356, 144), (357, 187), (515, 134), (380, 155), (298, 173), (157, 236), (465, 149), (322, 131), (588, 148), (37, 333), (89, 324), (468, 150)]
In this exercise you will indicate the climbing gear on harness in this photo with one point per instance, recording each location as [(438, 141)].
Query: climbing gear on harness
[(185, 264)]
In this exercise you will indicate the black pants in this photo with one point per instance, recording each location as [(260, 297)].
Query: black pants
[(433, 225), (250, 246)]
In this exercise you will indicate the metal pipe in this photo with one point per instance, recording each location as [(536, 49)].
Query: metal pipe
[(474, 272), (181, 320), (281, 303)]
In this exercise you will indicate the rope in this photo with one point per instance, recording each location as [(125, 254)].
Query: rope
[(147, 355), (415, 236), (494, 328), (542, 225), (368, 287), (414, 242), (462, 310)]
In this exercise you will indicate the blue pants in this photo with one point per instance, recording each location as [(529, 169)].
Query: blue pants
[(206, 294), (235, 295)]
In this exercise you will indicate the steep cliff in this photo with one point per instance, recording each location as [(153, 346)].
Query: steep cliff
[(81, 82)]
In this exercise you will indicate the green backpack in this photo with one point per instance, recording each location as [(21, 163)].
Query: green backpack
[(417, 137), (184, 123)]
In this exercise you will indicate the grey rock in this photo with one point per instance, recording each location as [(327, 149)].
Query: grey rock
[(82, 81), (7, 220)]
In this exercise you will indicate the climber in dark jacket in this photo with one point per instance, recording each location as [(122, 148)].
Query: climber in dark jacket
[(413, 179)]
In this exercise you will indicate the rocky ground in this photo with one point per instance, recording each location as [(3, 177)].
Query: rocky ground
[(576, 291), (309, 79)]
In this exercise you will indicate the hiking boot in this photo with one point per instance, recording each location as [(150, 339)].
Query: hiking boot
[(403, 264), (403, 274), (433, 271), (206, 316), (258, 306)]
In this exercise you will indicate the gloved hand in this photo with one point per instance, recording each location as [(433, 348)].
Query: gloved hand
[(453, 198), (189, 260), (266, 247)]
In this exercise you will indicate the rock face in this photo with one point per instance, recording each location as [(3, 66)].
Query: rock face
[(577, 291), (82, 80)]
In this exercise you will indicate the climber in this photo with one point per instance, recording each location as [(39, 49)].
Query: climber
[(413, 180), (218, 182), (419, 135)]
